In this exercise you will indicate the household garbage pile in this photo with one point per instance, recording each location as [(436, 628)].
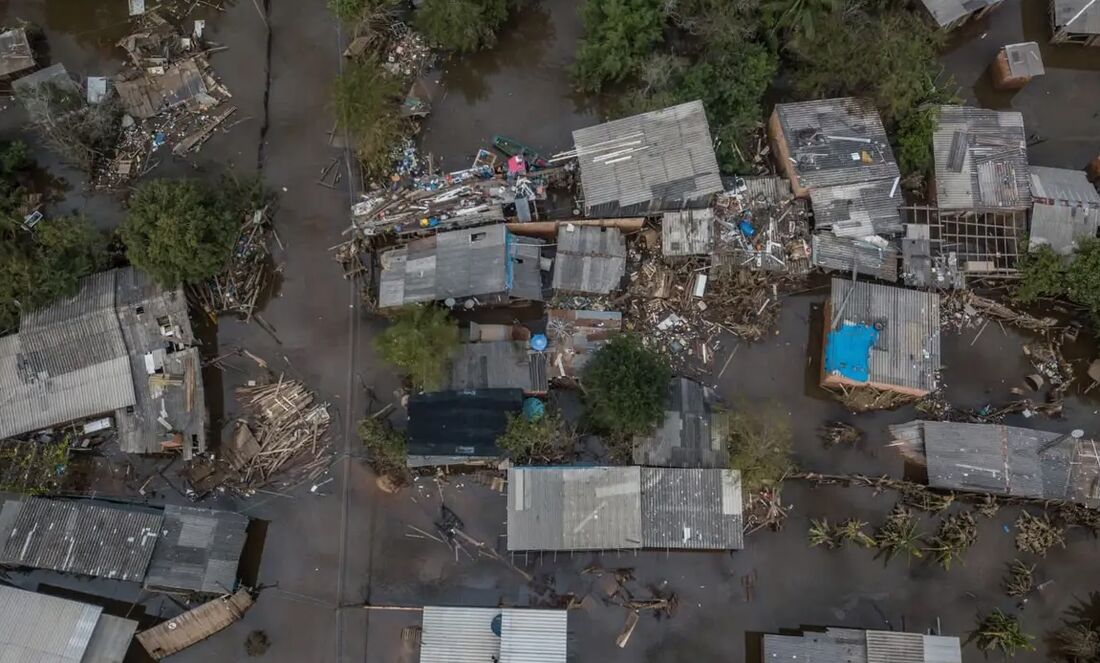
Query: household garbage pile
[(759, 226)]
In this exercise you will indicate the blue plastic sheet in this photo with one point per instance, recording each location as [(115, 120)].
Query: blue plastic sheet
[(848, 351)]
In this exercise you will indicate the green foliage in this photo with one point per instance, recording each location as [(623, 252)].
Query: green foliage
[(998, 631), (385, 447), (541, 440), (717, 23), (624, 387), (956, 534), (618, 36), (760, 446), (899, 535), (419, 341), (367, 101), (349, 11), (15, 163), (462, 25), (914, 140), (798, 19), (182, 230), (1044, 273), (821, 534), (33, 468)]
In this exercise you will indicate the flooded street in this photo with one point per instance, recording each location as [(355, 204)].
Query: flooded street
[(316, 573)]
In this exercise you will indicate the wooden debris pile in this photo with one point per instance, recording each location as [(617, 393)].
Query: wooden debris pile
[(612, 587), (961, 309), (247, 274)]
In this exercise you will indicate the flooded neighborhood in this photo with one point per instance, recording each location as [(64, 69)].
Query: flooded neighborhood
[(524, 331)]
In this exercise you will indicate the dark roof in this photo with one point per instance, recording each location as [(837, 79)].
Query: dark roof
[(195, 625), (87, 538), (692, 433), (459, 424), (499, 365), (198, 550), (590, 259)]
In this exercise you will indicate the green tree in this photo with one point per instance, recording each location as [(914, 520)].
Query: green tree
[(349, 11), (618, 36), (385, 448), (367, 101), (180, 230), (798, 19), (541, 439), (913, 141), (759, 446), (462, 25), (1044, 273), (998, 631), (419, 341), (624, 387), (717, 23), (15, 166)]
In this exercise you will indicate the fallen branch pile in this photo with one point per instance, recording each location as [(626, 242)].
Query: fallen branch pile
[(290, 430), (246, 275), (963, 308)]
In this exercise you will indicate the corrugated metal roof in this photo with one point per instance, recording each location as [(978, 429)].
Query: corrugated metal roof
[(1063, 186), (842, 253), (1085, 23), (687, 232), (36, 628), (836, 141), (981, 159), (15, 52), (947, 12), (197, 551), (575, 335), (1024, 60), (534, 636), (685, 438), (907, 351), (499, 365), (865, 201), (81, 537), (894, 647), (665, 155), (941, 649), (844, 645), (1062, 227), (590, 259), (110, 640), (465, 635), (691, 509)]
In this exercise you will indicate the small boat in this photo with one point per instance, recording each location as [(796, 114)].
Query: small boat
[(513, 147)]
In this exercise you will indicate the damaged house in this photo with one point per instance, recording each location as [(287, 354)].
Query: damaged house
[(951, 14), (852, 645), (654, 162), (459, 427), (484, 266), (624, 508), (882, 337), (121, 348), (1002, 460), (835, 152), (504, 635), (39, 628), (574, 337), (1066, 209), (694, 432), (590, 260)]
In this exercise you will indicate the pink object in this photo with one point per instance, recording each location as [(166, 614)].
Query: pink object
[(516, 164)]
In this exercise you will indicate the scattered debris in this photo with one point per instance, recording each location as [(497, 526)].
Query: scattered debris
[(246, 275), (957, 533), (1037, 535), (764, 508), (1020, 579), (899, 535), (839, 433)]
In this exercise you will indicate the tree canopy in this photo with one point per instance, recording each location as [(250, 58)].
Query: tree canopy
[(1044, 273), (181, 230), (624, 387), (759, 446), (367, 101), (542, 439), (419, 341), (618, 36), (462, 25)]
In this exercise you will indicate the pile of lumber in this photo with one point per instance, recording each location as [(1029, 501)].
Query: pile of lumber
[(246, 275), (290, 429)]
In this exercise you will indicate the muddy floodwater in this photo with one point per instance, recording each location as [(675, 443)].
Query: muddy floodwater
[(328, 549)]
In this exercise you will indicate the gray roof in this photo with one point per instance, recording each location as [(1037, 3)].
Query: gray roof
[(856, 210), (836, 141), (981, 159), (1024, 60), (1087, 23), (575, 335), (465, 635), (946, 12), (146, 95), (603, 508), (687, 232), (485, 262), (692, 434), (907, 352), (1063, 186), (840, 253), (55, 74), (1067, 208), (78, 537), (197, 551), (848, 645), (499, 365), (15, 52), (37, 628), (590, 259), (663, 155)]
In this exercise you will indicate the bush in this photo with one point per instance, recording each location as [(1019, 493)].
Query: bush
[(526, 441), (618, 36), (462, 25), (385, 447), (367, 101), (624, 387), (82, 134), (914, 141), (182, 230), (759, 446), (1044, 273), (419, 341)]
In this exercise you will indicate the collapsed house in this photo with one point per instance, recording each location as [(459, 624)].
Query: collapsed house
[(459, 427), (653, 162), (762, 226), (1066, 209), (504, 635), (180, 549), (121, 348), (950, 14), (835, 152), (1075, 22), (881, 336), (195, 625), (694, 432), (1002, 460), (16, 55), (38, 628), (859, 646), (623, 508), (474, 266), (589, 260), (575, 336)]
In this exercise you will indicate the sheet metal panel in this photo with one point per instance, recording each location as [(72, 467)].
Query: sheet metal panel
[(1062, 227), (841, 254), (534, 636), (198, 550), (684, 438), (995, 148), (687, 233), (36, 628), (589, 259), (691, 509), (864, 200), (110, 640), (832, 646), (941, 649), (499, 365), (459, 635), (1086, 23), (15, 52), (894, 647)]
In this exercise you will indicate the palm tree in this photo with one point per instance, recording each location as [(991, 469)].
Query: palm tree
[(799, 17)]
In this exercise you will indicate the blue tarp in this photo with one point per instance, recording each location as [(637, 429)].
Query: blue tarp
[(848, 351)]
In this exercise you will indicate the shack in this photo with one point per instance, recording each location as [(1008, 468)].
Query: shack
[(1066, 209), (950, 14), (121, 346), (459, 427), (483, 266), (882, 337), (16, 55), (1002, 460), (505, 635), (590, 260), (687, 233), (859, 646), (144, 95), (1016, 64), (623, 508), (1075, 22), (980, 160), (195, 625), (197, 551), (694, 432), (38, 628), (653, 162), (499, 365), (575, 335)]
